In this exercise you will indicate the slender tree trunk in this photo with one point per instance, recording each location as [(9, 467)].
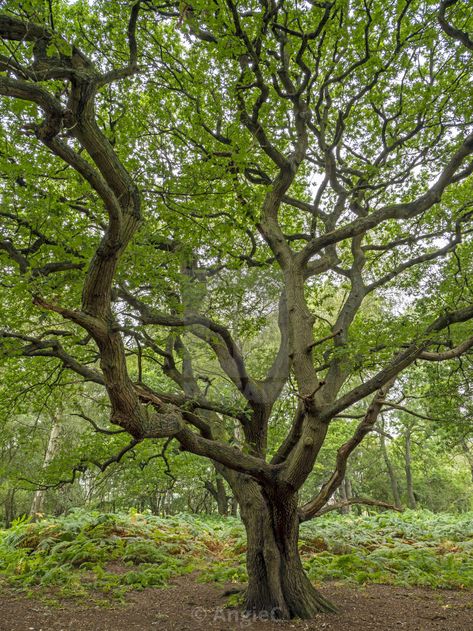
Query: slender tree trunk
[(9, 505), (277, 583), (37, 504), (168, 503), (222, 499), (409, 482), (391, 472), (348, 490), (342, 492), (219, 493), (233, 507), (468, 454), (158, 503)]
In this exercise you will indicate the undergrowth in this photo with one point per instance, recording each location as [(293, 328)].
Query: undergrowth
[(88, 554)]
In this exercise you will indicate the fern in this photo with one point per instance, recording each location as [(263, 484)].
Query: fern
[(87, 552)]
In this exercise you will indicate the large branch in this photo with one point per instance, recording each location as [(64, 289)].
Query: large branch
[(405, 210), (37, 346), (313, 507), (18, 30), (229, 456), (169, 419), (213, 333), (115, 186), (451, 30), (401, 361), (452, 353), (28, 91)]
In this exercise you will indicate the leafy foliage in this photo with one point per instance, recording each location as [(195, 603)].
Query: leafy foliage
[(86, 551), (110, 554)]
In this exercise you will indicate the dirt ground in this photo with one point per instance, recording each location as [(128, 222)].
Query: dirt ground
[(190, 606)]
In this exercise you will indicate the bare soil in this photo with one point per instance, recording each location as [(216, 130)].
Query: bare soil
[(190, 606)]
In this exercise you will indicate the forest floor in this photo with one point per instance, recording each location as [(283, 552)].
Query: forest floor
[(187, 605)]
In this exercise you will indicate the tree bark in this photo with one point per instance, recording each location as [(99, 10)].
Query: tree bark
[(278, 586), (233, 507), (37, 503), (345, 493), (468, 454), (409, 482), (391, 472), (219, 493), (9, 507)]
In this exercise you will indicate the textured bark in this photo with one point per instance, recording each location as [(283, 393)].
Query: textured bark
[(278, 587)]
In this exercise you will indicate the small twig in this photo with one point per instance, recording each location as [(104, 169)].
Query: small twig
[(324, 339), (96, 427)]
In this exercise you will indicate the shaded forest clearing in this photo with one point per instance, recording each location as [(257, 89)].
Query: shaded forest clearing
[(89, 571), (190, 605)]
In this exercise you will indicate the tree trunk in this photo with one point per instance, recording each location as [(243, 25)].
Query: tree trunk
[(222, 499), (411, 499), (9, 506), (53, 444), (219, 493), (342, 493), (468, 454), (347, 494), (233, 507), (278, 587), (391, 471)]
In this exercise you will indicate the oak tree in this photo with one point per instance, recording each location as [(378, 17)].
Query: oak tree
[(177, 176)]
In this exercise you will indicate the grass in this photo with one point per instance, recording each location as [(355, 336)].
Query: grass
[(88, 554)]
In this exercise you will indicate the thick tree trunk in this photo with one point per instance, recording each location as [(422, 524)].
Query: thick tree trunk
[(278, 587)]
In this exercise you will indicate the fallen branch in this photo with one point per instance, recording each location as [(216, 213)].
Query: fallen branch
[(357, 500)]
